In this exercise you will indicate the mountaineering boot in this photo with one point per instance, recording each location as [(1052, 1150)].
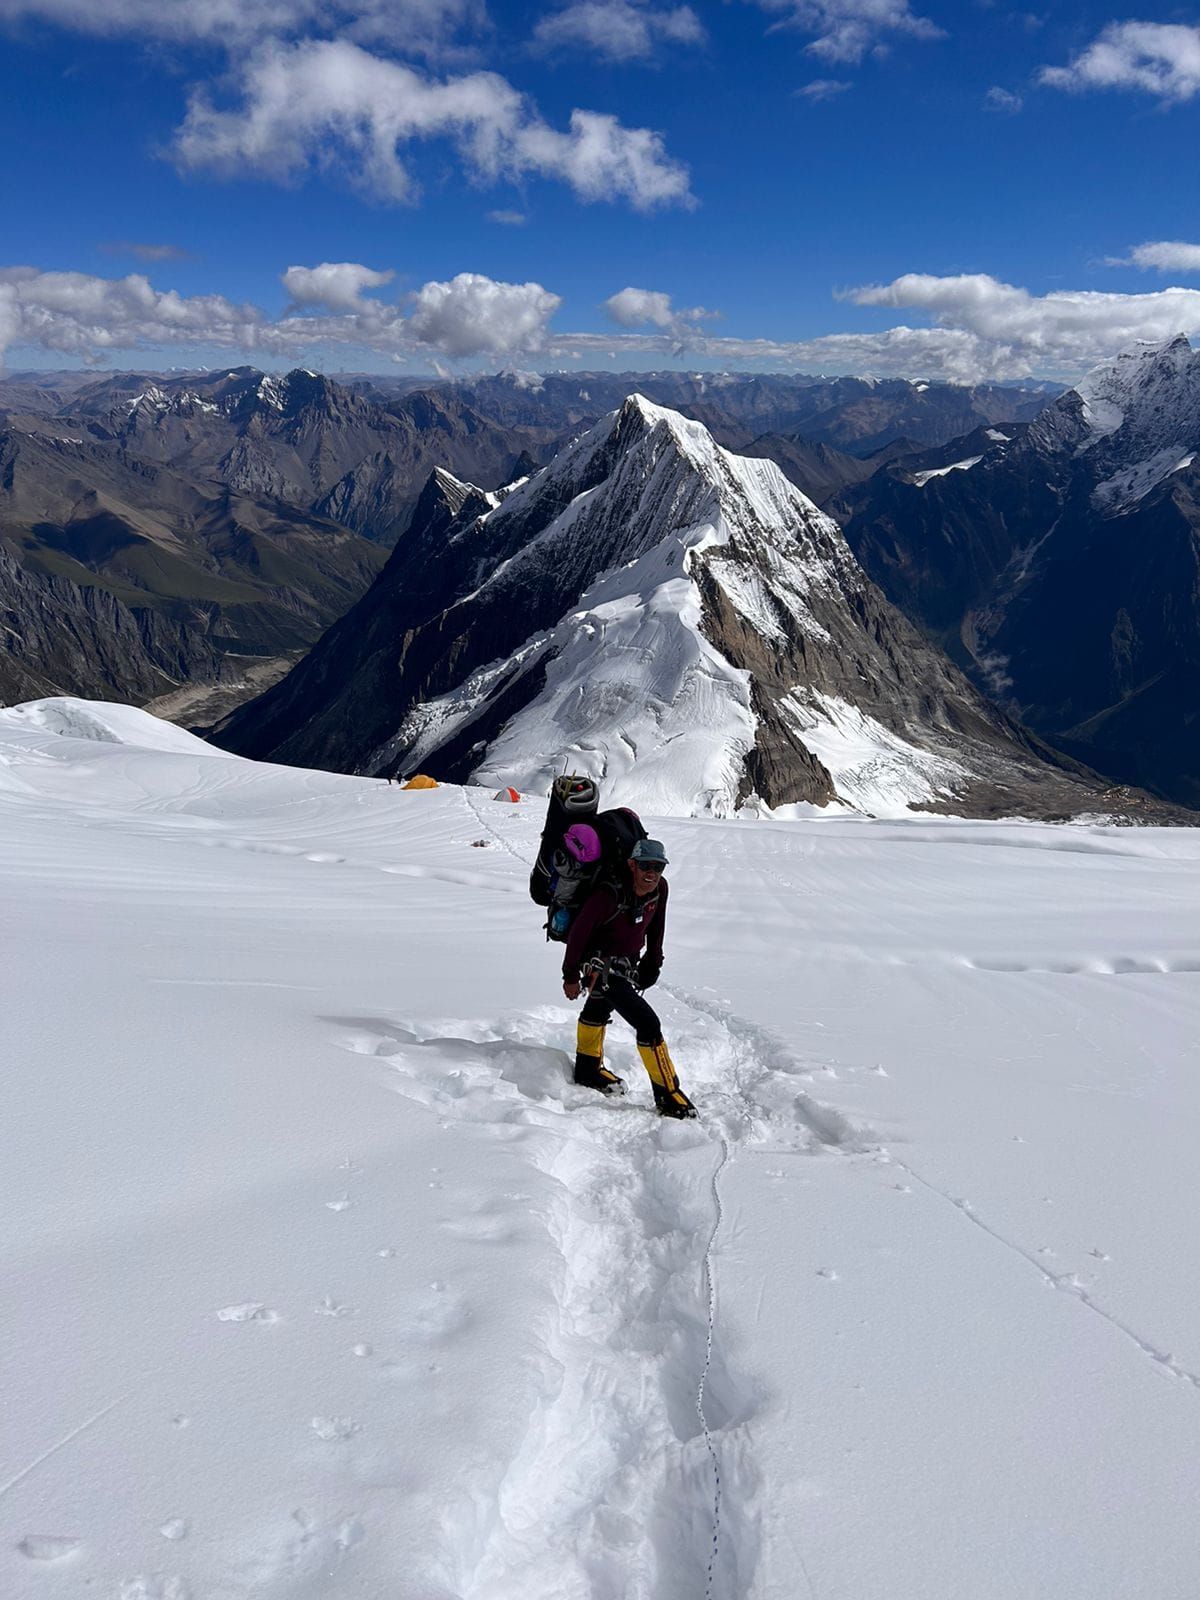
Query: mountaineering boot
[(590, 1070), (669, 1098)]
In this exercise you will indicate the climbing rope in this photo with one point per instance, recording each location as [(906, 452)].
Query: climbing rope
[(701, 1389)]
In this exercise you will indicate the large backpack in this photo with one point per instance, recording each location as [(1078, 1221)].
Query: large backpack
[(558, 881)]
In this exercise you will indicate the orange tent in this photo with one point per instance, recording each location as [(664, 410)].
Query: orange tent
[(506, 794), (421, 782)]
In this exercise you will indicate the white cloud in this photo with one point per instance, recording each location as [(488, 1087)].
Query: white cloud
[(619, 30), (75, 314), (982, 329), (822, 89), (473, 315), (1157, 58), (997, 99), (847, 29), (1162, 255), (637, 308), (328, 104), (336, 285), (1016, 333), (508, 219), (416, 27)]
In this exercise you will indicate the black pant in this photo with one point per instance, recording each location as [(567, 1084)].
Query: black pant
[(620, 996)]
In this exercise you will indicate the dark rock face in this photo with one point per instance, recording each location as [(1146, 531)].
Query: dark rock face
[(60, 637), (1062, 569), (486, 601), (122, 579)]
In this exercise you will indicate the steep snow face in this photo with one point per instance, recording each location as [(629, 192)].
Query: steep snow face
[(685, 626), (650, 609), (1131, 484), (1149, 394), (633, 691), (646, 475), (628, 688), (1129, 423), (872, 767)]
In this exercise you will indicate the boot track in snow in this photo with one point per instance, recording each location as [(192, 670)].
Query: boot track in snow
[(758, 1081)]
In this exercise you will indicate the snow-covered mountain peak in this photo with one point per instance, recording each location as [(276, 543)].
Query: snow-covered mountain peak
[(1150, 388), (644, 477), (678, 621)]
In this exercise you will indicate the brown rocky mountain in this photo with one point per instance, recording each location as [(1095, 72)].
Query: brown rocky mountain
[(125, 580), (199, 532)]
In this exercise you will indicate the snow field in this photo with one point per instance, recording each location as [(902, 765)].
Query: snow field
[(328, 1283)]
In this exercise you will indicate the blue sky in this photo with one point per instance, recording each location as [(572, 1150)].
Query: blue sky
[(968, 191)]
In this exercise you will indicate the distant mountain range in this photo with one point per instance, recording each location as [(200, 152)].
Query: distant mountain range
[(677, 620), (855, 415), (1060, 563), (181, 540)]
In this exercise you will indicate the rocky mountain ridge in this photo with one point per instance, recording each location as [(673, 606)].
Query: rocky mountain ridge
[(678, 620), (202, 530), (1061, 565)]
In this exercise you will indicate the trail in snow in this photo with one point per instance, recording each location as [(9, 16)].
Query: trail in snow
[(610, 1460), (477, 1340), (761, 1063), (708, 1282)]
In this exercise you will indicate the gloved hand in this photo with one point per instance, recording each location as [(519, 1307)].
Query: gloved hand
[(571, 988), (647, 974)]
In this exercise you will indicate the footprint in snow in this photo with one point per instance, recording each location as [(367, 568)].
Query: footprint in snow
[(329, 1428), (251, 1311), (155, 1586), (484, 1229), (329, 1307), (176, 1528), (343, 1204), (48, 1547)]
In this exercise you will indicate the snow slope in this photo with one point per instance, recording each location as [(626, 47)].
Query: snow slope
[(322, 1281)]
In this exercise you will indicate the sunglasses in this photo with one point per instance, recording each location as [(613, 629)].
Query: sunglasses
[(656, 867)]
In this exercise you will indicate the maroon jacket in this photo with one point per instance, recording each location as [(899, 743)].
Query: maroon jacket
[(607, 926)]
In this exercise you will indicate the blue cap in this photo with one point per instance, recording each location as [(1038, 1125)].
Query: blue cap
[(649, 852)]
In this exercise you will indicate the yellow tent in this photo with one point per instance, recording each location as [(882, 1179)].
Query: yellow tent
[(421, 782)]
